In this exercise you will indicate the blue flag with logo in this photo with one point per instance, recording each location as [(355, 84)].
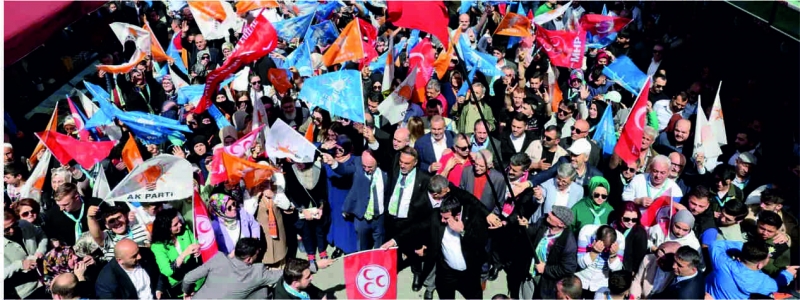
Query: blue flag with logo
[(149, 128), (340, 93), (321, 34), (300, 59), (190, 94), (324, 11), (474, 59), (604, 132), (625, 73), (292, 28)]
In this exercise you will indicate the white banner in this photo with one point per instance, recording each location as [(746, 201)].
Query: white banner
[(283, 141), (161, 178)]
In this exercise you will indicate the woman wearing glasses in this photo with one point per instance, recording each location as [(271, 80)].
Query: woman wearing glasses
[(28, 209), (634, 234), (594, 208), (230, 222)]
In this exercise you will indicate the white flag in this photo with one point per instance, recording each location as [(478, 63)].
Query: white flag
[(716, 120), (285, 142), (704, 141), (161, 178), (551, 15), (101, 188), (241, 82), (211, 28), (388, 70), (394, 107), (31, 189)]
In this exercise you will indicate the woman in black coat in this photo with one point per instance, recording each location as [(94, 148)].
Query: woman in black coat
[(627, 221)]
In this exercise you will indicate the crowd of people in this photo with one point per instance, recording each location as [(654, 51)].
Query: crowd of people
[(466, 185)]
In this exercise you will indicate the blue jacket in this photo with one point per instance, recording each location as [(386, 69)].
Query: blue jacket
[(731, 279), (358, 198), (550, 173), (424, 147)]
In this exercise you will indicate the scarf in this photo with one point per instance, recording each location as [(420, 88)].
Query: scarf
[(78, 229), (217, 203), (291, 291), (595, 182), (309, 177), (272, 223)]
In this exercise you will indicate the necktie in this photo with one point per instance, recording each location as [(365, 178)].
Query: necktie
[(372, 205), (396, 205)]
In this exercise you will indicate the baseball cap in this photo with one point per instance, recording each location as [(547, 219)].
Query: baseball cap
[(612, 96), (748, 158), (581, 146)]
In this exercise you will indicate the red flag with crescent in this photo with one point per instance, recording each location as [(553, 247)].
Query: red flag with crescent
[(564, 48), (371, 274), (203, 229), (630, 140)]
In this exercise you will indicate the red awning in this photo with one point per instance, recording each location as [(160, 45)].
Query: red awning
[(28, 24)]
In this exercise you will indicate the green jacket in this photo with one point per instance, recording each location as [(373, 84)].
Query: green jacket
[(779, 258), (166, 254), (584, 216)]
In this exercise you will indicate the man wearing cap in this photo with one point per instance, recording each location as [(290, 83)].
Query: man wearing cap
[(581, 131), (578, 157), (744, 167), (550, 254)]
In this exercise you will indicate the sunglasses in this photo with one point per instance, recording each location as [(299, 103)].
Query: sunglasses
[(564, 111), (256, 82), (205, 58), (25, 214), (232, 207), (626, 219), (577, 130), (376, 87), (465, 148), (13, 226), (548, 139), (632, 170), (601, 196), (115, 222)]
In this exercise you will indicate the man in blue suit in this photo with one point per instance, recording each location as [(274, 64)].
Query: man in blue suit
[(430, 146), (689, 282), (365, 202)]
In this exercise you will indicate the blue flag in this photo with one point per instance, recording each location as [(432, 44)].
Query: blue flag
[(605, 10), (321, 34), (190, 94), (340, 93), (625, 73), (159, 71), (604, 132), (219, 118), (324, 11), (300, 59), (465, 5), (413, 39), (294, 27), (149, 128), (465, 86), (97, 92), (483, 61), (173, 52), (380, 63)]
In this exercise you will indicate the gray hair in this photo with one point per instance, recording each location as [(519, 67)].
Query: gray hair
[(437, 184), (486, 156), (66, 174), (659, 159), (566, 171), (482, 88), (650, 131), (434, 85), (508, 68)]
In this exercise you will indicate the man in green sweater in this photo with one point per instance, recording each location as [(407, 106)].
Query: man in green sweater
[(767, 230)]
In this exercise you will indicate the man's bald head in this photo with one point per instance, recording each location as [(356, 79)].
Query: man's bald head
[(127, 254), (684, 123), (367, 159), (63, 286), (669, 247), (581, 129), (682, 129), (401, 138)]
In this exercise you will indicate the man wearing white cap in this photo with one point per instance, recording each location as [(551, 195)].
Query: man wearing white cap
[(578, 157)]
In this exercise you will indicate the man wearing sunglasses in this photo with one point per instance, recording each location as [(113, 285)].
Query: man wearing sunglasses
[(581, 131), (117, 228), (23, 244), (546, 151), (657, 89)]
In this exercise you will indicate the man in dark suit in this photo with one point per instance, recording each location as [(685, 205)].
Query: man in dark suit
[(430, 146), (365, 202), (689, 282), (406, 202), (455, 239), (516, 139), (296, 283), (129, 276)]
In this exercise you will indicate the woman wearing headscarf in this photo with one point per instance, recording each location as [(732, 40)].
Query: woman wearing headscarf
[(679, 230), (635, 235), (225, 105), (170, 108), (272, 212), (197, 149), (594, 208), (230, 222), (596, 110)]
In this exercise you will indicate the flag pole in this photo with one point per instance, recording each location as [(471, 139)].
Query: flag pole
[(368, 250), (471, 91)]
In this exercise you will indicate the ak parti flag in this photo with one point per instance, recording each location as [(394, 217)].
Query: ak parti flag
[(428, 16), (279, 79), (66, 148), (565, 48), (348, 46), (235, 169), (125, 32), (258, 40), (203, 230), (244, 6), (629, 144), (130, 154), (156, 50), (52, 125), (514, 25), (371, 274)]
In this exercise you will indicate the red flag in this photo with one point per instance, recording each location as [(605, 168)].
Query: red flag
[(514, 25), (258, 40), (66, 148), (203, 230), (370, 54), (369, 33), (630, 140), (565, 48), (603, 25), (659, 212), (428, 16), (348, 46), (371, 274), (279, 79), (421, 59)]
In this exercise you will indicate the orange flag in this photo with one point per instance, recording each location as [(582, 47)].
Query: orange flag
[(155, 48), (240, 168), (130, 154), (244, 6), (279, 79), (126, 67), (212, 9), (347, 47), (514, 25), (310, 132), (443, 61), (52, 125)]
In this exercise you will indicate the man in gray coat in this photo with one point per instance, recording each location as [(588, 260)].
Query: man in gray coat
[(233, 278)]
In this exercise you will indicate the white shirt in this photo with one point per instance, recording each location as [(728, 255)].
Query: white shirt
[(682, 278), (662, 109), (594, 273), (234, 233), (640, 187), (438, 147), (377, 184), (653, 68), (434, 203), (405, 198), (141, 281), (517, 142), (451, 249), (562, 198)]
